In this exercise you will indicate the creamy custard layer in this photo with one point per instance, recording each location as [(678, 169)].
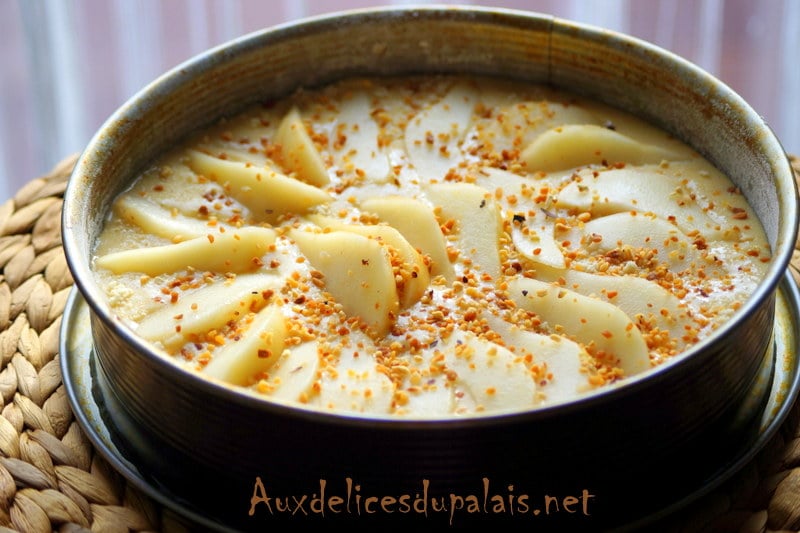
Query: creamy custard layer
[(428, 247)]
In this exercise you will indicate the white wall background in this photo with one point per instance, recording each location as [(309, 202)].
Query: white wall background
[(66, 65)]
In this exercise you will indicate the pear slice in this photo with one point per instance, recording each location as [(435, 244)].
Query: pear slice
[(588, 320), (358, 386), (292, 376), (523, 121), (360, 149), (410, 264), (532, 231), (576, 145), (156, 220), (358, 274), (562, 357), (478, 221), (265, 192), (437, 399), (533, 238), (634, 296), (254, 155), (236, 251), (647, 189), (433, 136), (494, 378), (298, 151), (415, 220), (638, 230), (209, 307), (259, 346)]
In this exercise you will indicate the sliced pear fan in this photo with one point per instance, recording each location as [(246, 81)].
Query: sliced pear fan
[(265, 192), (588, 320), (576, 145), (232, 251)]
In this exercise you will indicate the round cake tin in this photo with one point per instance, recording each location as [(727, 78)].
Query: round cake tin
[(605, 460)]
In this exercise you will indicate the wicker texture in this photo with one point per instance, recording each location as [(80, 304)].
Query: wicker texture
[(51, 478)]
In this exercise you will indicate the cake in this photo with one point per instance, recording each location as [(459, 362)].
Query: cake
[(428, 247)]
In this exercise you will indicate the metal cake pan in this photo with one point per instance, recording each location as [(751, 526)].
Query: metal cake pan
[(617, 451)]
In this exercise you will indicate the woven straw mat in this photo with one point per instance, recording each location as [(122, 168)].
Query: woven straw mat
[(52, 479)]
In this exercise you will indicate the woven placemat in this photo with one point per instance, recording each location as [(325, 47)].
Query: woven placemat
[(52, 479)]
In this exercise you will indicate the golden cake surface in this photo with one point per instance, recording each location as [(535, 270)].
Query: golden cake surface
[(428, 247)]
